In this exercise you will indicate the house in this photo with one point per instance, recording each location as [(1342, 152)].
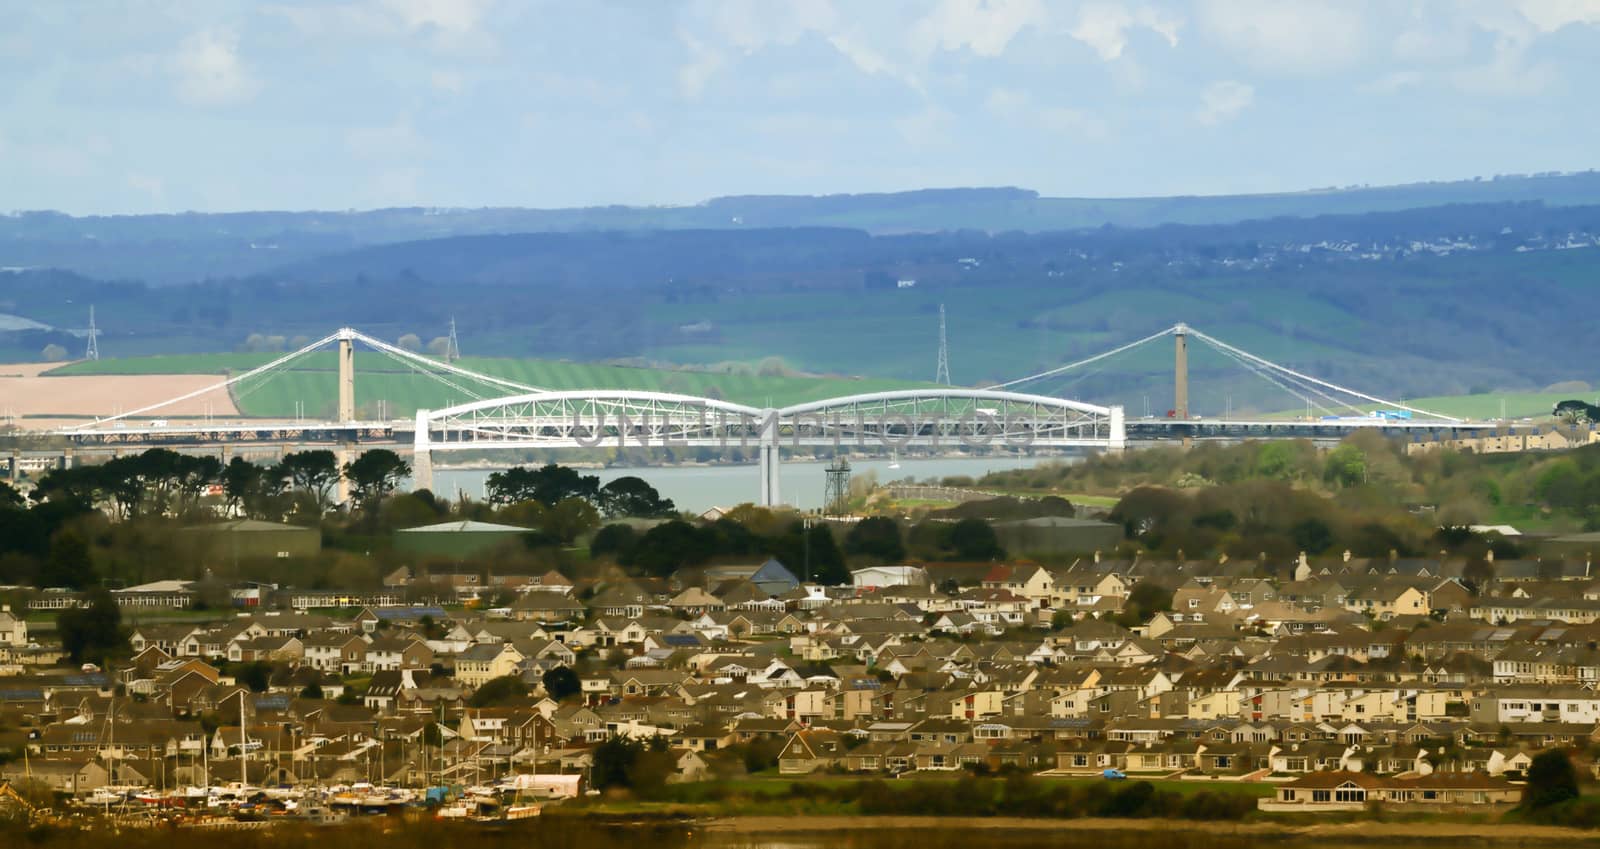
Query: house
[(483, 663), (810, 750), (13, 629), (1343, 790), (334, 651)]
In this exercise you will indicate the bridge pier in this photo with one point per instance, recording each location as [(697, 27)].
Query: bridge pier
[(770, 460), (343, 455), (1118, 435), (13, 466), (422, 455)]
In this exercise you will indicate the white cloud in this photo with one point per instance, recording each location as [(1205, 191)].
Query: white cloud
[(455, 17), (1309, 36), (209, 71), (1223, 101), (711, 29), (1432, 44), (984, 27), (1551, 15), (704, 62), (1105, 27), (447, 25)]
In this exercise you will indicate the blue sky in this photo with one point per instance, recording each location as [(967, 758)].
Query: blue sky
[(165, 105)]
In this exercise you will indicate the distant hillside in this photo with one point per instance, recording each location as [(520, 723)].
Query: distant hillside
[(312, 382), (166, 249)]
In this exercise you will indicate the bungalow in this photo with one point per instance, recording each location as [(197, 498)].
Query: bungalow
[(810, 750)]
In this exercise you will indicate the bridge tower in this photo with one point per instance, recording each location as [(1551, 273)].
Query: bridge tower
[(347, 375), (1180, 376)]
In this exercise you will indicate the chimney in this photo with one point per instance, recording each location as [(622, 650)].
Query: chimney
[(1490, 556), (1302, 560), (1180, 555), (1222, 559), (1393, 555), (1347, 555), (1097, 557)]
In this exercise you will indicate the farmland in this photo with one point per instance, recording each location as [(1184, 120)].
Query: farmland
[(383, 388)]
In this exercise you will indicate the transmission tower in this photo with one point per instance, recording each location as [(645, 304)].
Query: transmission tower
[(452, 349), (941, 373), (836, 495), (93, 350)]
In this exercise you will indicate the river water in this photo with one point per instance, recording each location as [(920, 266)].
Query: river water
[(699, 488)]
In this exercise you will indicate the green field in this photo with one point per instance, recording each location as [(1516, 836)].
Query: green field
[(383, 387)]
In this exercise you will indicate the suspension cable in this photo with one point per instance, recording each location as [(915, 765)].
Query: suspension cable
[(1059, 369), (220, 386), (1323, 383)]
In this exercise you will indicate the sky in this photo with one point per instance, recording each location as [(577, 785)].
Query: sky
[(137, 106)]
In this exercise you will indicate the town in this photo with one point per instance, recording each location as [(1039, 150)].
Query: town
[(1327, 681)]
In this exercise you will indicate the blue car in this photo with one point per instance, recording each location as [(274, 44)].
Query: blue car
[(1114, 774)]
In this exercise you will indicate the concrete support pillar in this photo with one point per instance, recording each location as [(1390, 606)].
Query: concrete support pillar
[(345, 453), (13, 466), (347, 376), (1119, 431), (771, 461), (422, 455), (68, 458)]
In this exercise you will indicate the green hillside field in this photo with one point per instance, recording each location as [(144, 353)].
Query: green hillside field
[(383, 387)]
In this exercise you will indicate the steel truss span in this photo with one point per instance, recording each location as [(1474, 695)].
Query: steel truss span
[(935, 417)]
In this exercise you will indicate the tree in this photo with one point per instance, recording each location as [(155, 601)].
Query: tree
[(496, 691), (374, 476), (1311, 535), (547, 485), (569, 519), (642, 766), (53, 353), (409, 342), (974, 539), (1346, 466), (632, 496), (1477, 574), (93, 632), (315, 473), (810, 553), (1551, 780), (877, 537), (561, 683), (670, 546), (255, 675), (616, 540), (10, 499), (1145, 600), (69, 564)]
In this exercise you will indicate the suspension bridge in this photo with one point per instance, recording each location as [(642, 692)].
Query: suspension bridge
[(505, 414)]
